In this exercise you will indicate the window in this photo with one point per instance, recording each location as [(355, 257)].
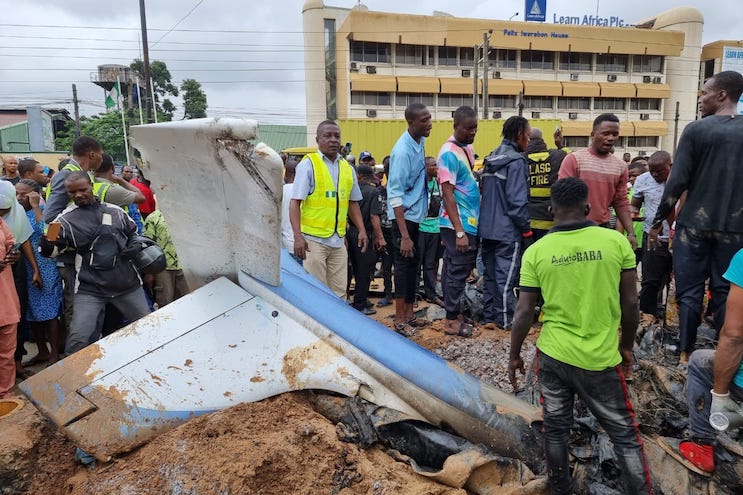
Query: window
[(609, 103), (645, 104), (405, 99), (538, 102), (499, 101), (410, 54), (367, 51), (642, 141), (573, 103), (575, 142), (448, 55), (467, 57), (537, 59), (502, 59), (455, 101), (575, 61), (647, 63), (371, 98), (610, 62)]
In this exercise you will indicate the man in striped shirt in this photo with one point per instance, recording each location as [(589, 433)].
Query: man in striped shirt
[(605, 175)]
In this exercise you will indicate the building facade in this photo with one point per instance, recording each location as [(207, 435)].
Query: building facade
[(361, 64)]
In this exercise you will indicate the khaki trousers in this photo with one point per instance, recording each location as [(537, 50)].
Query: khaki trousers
[(329, 265)]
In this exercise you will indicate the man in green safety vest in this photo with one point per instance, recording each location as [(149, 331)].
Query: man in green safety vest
[(325, 194)]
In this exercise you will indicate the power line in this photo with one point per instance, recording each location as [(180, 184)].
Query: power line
[(176, 24)]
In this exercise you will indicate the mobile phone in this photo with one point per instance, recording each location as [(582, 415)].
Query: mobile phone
[(52, 233)]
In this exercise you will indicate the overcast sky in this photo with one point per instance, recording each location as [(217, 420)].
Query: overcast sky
[(246, 53)]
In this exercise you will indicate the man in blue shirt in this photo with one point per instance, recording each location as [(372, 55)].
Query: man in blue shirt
[(407, 203)]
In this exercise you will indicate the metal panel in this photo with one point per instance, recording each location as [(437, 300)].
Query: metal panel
[(618, 90), (363, 82), (577, 128), (653, 90), (456, 86), (209, 165), (505, 87), (542, 88), (580, 89), (418, 85), (651, 128)]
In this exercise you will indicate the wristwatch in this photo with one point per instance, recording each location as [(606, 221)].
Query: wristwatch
[(460, 235)]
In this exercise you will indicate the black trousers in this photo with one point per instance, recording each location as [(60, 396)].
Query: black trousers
[(406, 269), (387, 259), (657, 265), (429, 245), (457, 267), (362, 265)]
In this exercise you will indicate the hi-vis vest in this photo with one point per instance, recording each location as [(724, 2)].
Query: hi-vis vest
[(324, 211), (540, 169), (100, 189), (72, 167)]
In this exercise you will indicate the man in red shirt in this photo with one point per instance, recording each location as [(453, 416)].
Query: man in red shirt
[(605, 175), (149, 198)]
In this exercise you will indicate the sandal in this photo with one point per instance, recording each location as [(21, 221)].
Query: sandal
[(417, 322), (405, 329), (465, 330)]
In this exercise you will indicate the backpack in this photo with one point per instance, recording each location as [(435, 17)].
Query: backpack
[(104, 248)]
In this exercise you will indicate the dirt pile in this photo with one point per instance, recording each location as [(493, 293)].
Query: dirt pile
[(277, 446)]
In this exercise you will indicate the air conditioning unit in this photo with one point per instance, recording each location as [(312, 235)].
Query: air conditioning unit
[(611, 78), (573, 77), (573, 115), (466, 73), (370, 112), (497, 115), (535, 115), (657, 80), (496, 74), (644, 116), (642, 153), (647, 79), (371, 69), (354, 67)]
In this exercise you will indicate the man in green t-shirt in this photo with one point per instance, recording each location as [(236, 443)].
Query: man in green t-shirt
[(586, 275)]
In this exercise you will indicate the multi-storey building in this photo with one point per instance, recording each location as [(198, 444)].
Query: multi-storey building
[(361, 64)]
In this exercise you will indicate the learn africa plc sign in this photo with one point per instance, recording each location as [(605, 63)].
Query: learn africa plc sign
[(732, 59), (535, 10)]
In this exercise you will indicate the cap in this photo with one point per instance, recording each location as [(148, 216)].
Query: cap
[(365, 155)]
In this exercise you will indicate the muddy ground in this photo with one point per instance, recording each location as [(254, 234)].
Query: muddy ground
[(284, 446)]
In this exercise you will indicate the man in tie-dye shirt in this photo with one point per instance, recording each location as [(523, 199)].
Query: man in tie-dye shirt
[(458, 220)]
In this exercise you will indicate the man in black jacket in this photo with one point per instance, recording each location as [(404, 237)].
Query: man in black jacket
[(97, 233), (544, 165), (710, 225)]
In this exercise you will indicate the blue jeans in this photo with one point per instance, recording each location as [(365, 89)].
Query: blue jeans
[(699, 255), (605, 394), (502, 262), (698, 397)]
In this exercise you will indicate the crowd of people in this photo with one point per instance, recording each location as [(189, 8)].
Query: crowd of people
[(560, 234), (69, 244)]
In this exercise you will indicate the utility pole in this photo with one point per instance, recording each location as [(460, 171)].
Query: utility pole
[(77, 111), (146, 60), (475, 77), (485, 64)]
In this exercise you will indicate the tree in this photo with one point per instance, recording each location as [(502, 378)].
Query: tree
[(161, 80), (105, 127), (194, 99)]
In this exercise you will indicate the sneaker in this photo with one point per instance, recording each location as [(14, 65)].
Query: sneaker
[(367, 311), (694, 456), (383, 302)]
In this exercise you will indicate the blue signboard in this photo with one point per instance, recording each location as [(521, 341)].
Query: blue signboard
[(535, 10)]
